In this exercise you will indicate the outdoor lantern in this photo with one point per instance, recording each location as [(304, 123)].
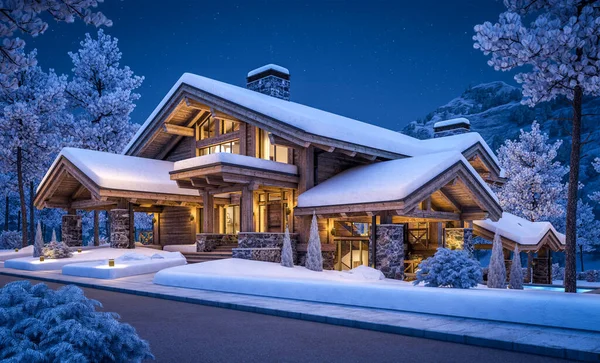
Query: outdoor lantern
[(16, 250), (191, 217), (79, 250), (111, 262), (41, 258)]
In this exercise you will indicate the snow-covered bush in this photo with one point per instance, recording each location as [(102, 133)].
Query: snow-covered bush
[(497, 269), (449, 268), (516, 271), (589, 275), (39, 324), (9, 240), (314, 257), (55, 250), (558, 273), (287, 256)]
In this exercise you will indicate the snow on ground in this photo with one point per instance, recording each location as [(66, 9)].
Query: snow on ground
[(125, 265), (270, 279), (97, 254), (23, 252), (181, 248), (580, 283)]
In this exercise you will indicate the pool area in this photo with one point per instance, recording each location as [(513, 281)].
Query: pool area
[(553, 288)]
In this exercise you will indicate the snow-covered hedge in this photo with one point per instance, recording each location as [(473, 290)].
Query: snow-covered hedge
[(589, 275), (38, 324), (9, 240), (449, 268), (56, 250)]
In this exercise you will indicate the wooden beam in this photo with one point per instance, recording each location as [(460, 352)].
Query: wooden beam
[(96, 229), (446, 216), (450, 199), (278, 140), (366, 156), (80, 190), (347, 152), (89, 204), (178, 130), (326, 148), (217, 140), (213, 180), (247, 210), (208, 213)]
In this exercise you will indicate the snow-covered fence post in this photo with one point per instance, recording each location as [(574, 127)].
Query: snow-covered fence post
[(39, 242), (287, 257), (516, 271), (497, 270), (314, 258)]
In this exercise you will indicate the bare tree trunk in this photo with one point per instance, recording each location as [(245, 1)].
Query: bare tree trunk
[(581, 257), (6, 210), (529, 266), (19, 221), (22, 196), (571, 233), (96, 229), (31, 214)]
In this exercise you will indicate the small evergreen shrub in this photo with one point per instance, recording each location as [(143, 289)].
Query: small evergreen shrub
[(287, 256), (558, 273), (38, 324), (449, 268), (9, 240), (54, 250)]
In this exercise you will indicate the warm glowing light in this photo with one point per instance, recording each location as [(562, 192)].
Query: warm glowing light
[(111, 262), (16, 250), (79, 250), (41, 258)]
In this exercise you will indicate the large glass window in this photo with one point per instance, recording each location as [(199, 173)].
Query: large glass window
[(232, 147), (268, 151)]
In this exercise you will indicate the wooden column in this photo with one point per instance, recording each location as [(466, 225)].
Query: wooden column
[(96, 229), (306, 168), (385, 217), (208, 213), (247, 210)]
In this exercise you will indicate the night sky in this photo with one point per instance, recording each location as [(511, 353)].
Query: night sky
[(383, 62)]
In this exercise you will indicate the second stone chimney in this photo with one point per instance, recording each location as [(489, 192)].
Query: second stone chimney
[(451, 127), (272, 80)]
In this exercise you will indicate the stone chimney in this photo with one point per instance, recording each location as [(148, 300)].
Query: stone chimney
[(451, 127), (272, 80)]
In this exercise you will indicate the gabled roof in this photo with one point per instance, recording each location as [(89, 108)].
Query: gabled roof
[(528, 235), (303, 121), (395, 182)]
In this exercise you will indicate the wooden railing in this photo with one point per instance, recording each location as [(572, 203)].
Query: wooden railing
[(339, 241)]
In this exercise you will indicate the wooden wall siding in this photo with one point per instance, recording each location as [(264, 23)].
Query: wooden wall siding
[(183, 150), (331, 164), (274, 217), (176, 227)]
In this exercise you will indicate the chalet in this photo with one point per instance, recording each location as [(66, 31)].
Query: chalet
[(220, 165)]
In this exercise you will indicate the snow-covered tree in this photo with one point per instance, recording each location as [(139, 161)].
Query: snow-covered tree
[(314, 258), (30, 116), (516, 271), (449, 268), (287, 257), (588, 230), (534, 188), (595, 196), (497, 270), (43, 325), (25, 17), (38, 246), (561, 50), (54, 250), (102, 95)]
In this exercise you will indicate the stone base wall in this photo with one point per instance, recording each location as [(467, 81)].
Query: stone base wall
[(263, 246), (258, 254), (207, 242), (71, 230), (328, 259), (542, 268), (389, 246), (119, 228)]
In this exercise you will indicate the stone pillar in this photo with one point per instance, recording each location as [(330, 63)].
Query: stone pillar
[(71, 230), (460, 238), (390, 250), (468, 244), (119, 228)]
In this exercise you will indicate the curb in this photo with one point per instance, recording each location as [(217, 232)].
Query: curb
[(572, 354)]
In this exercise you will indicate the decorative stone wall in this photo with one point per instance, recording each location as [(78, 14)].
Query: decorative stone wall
[(119, 228), (272, 86), (263, 246), (71, 230), (328, 259), (258, 254), (542, 268), (207, 242), (389, 246), (455, 131)]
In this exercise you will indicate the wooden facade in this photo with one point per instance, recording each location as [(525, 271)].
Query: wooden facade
[(194, 123)]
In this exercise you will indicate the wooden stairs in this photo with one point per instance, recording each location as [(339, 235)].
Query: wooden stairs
[(219, 253)]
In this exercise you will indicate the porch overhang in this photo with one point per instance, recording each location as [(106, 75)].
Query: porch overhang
[(224, 172), (435, 187), (88, 180)]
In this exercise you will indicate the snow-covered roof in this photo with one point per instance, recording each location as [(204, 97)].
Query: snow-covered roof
[(272, 66), (122, 172), (241, 160), (459, 142), (454, 121), (394, 180), (308, 119), (519, 229)]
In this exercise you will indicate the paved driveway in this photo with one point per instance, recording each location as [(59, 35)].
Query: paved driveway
[(181, 332)]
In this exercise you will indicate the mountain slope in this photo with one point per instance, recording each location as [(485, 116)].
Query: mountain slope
[(495, 112)]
